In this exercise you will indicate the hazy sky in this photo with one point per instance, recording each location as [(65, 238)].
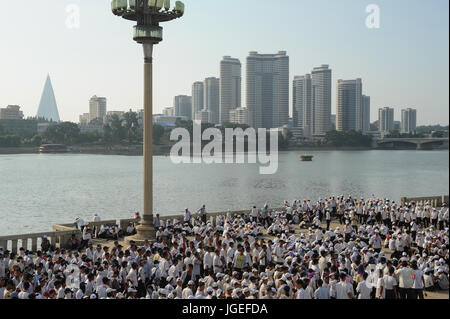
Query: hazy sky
[(404, 63)]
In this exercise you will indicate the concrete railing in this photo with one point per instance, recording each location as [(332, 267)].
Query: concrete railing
[(33, 241), (436, 201), (61, 233)]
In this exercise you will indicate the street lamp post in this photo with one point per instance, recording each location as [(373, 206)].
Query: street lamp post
[(148, 14)]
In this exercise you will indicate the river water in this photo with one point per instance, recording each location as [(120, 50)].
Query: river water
[(37, 191)]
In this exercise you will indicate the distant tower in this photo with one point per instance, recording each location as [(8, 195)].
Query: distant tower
[(47, 107), (409, 120), (268, 90), (230, 87), (349, 105), (321, 99), (302, 104), (386, 119), (197, 99), (212, 98)]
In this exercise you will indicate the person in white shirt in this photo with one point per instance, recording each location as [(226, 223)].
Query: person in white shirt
[(2, 286), (321, 292), (419, 281), (208, 259), (405, 279), (380, 291), (301, 293), (390, 285), (364, 289), (187, 217), (344, 290)]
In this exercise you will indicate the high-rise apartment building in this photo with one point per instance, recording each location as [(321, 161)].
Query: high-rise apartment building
[(211, 99), (268, 90), (409, 120), (230, 87), (321, 100), (386, 119), (183, 106), (349, 105), (197, 98), (302, 104), (365, 114), (97, 108)]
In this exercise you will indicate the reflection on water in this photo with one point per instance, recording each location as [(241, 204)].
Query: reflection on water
[(37, 191)]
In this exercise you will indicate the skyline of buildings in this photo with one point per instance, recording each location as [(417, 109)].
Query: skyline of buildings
[(266, 75)]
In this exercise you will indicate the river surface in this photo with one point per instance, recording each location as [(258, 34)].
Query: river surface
[(37, 191)]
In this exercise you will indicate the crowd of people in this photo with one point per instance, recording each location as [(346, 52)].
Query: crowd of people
[(379, 249)]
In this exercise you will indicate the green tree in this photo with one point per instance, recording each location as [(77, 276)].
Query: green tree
[(118, 131), (347, 139), (158, 132), (63, 133), (107, 134), (438, 134), (36, 140), (10, 141), (131, 126)]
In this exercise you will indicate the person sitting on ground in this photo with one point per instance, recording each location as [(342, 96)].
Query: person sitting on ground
[(73, 243), (131, 230)]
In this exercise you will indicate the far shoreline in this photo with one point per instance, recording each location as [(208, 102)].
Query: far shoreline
[(164, 150)]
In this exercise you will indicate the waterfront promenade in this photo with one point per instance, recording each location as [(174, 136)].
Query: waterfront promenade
[(61, 233), (294, 231)]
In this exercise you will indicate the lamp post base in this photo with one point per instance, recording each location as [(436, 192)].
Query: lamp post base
[(144, 232)]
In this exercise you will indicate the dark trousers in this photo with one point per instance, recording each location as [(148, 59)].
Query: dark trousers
[(406, 293), (84, 244), (435, 223), (390, 294), (328, 224), (204, 218), (418, 294), (441, 225)]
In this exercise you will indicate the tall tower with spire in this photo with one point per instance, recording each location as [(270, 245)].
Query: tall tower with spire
[(47, 107)]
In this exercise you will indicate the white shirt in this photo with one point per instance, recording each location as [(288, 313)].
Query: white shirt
[(364, 290), (390, 282), (302, 294), (343, 289), (380, 285), (405, 277), (418, 283)]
